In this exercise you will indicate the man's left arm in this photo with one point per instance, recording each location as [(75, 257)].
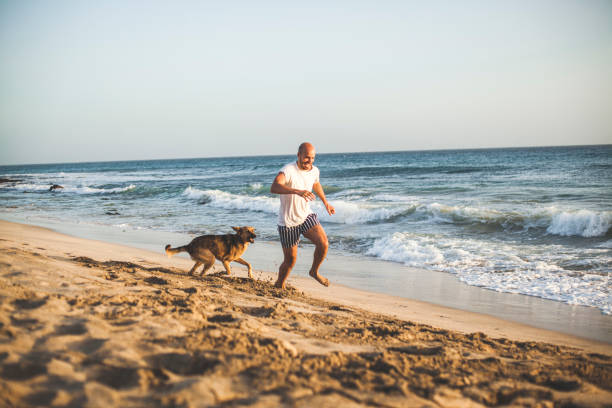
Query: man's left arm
[(318, 189)]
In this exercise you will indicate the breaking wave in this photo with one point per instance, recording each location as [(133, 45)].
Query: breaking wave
[(580, 223), (496, 266), (361, 213), (221, 199), (346, 212)]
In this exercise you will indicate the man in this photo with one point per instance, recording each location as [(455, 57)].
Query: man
[(295, 183)]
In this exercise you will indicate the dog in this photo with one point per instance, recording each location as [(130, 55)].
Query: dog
[(226, 248)]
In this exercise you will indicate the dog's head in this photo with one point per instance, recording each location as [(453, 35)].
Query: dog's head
[(246, 233)]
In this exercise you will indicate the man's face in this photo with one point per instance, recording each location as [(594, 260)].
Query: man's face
[(306, 159)]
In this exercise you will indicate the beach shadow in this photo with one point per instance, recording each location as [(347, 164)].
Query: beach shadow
[(29, 303), (183, 363), (75, 328), (23, 370)]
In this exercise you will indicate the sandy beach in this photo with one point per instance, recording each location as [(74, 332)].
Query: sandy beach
[(90, 323)]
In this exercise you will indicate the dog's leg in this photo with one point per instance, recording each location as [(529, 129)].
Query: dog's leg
[(195, 266), (208, 263), (227, 267), (245, 263)]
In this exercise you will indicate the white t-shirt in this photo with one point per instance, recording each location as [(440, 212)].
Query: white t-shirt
[(293, 208)]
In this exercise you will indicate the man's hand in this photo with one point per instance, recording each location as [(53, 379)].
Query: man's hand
[(307, 195), (330, 209)]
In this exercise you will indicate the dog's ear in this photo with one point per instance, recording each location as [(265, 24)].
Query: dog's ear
[(237, 229)]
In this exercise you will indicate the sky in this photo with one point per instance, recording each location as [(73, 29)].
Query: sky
[(133, 80)]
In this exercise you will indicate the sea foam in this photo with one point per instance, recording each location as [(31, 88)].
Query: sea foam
[(222, 199), (80, 189), (496, 266), (359, 212), (346, 212), (580, 223)]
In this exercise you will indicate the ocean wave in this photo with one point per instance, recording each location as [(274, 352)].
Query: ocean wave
[(346, 212), (101, 178), (398, 248), (256, 186), (389, 208), (72, 189), (361, 213), (497, 266), (579, 223), (221, 199), (381, 171), (607, 244)]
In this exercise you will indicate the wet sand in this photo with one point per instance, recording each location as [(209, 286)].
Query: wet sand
[(89, 323)]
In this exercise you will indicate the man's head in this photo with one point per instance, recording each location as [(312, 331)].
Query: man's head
[(305, 156)]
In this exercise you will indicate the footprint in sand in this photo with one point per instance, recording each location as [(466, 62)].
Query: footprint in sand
[(41, 398), (155, 280), (419, 350), (126, 322), (117, 377), (72, 328), (23, 370), (88, 346), (29, 303), (222, 318), (26, 322), (183, 363)]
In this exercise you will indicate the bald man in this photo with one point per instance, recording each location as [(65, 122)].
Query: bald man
[(295, 183)]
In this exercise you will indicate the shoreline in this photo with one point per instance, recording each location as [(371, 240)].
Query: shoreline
[(418, 310), (92, 323), (386, 281)]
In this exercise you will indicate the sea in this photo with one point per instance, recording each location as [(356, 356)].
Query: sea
[(533, 221)]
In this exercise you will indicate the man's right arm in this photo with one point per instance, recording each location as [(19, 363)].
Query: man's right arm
[(279, 187)]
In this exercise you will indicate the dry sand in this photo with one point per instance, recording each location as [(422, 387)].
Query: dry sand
[(88, 323)]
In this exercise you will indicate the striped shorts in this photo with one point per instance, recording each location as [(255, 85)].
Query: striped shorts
[(290, 236)]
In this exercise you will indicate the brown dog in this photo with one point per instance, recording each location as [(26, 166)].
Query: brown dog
[(226, 248)]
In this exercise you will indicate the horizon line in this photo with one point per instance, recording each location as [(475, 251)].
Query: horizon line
[(329, 153)]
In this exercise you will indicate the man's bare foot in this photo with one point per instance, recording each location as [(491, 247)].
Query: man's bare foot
[(323, 281), (279, 285)]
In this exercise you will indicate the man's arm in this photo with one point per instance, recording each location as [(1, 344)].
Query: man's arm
[(318, 189), (279, 187)]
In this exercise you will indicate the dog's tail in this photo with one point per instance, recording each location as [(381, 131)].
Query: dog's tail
[(172, 251)]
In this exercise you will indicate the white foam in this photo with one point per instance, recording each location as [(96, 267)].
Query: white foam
[(442, 212), (348, 212), (30, 187), (221, 199), (496, 266), (584, 223), (397, 247), (98, 178), (73, 189), (580, 223), (129, 226), (93, 190), (607, 244)]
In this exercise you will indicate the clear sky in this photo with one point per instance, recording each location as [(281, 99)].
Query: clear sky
[(121, 80)]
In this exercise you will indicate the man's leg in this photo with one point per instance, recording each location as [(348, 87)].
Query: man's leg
[(318, 237), (290, 255)]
